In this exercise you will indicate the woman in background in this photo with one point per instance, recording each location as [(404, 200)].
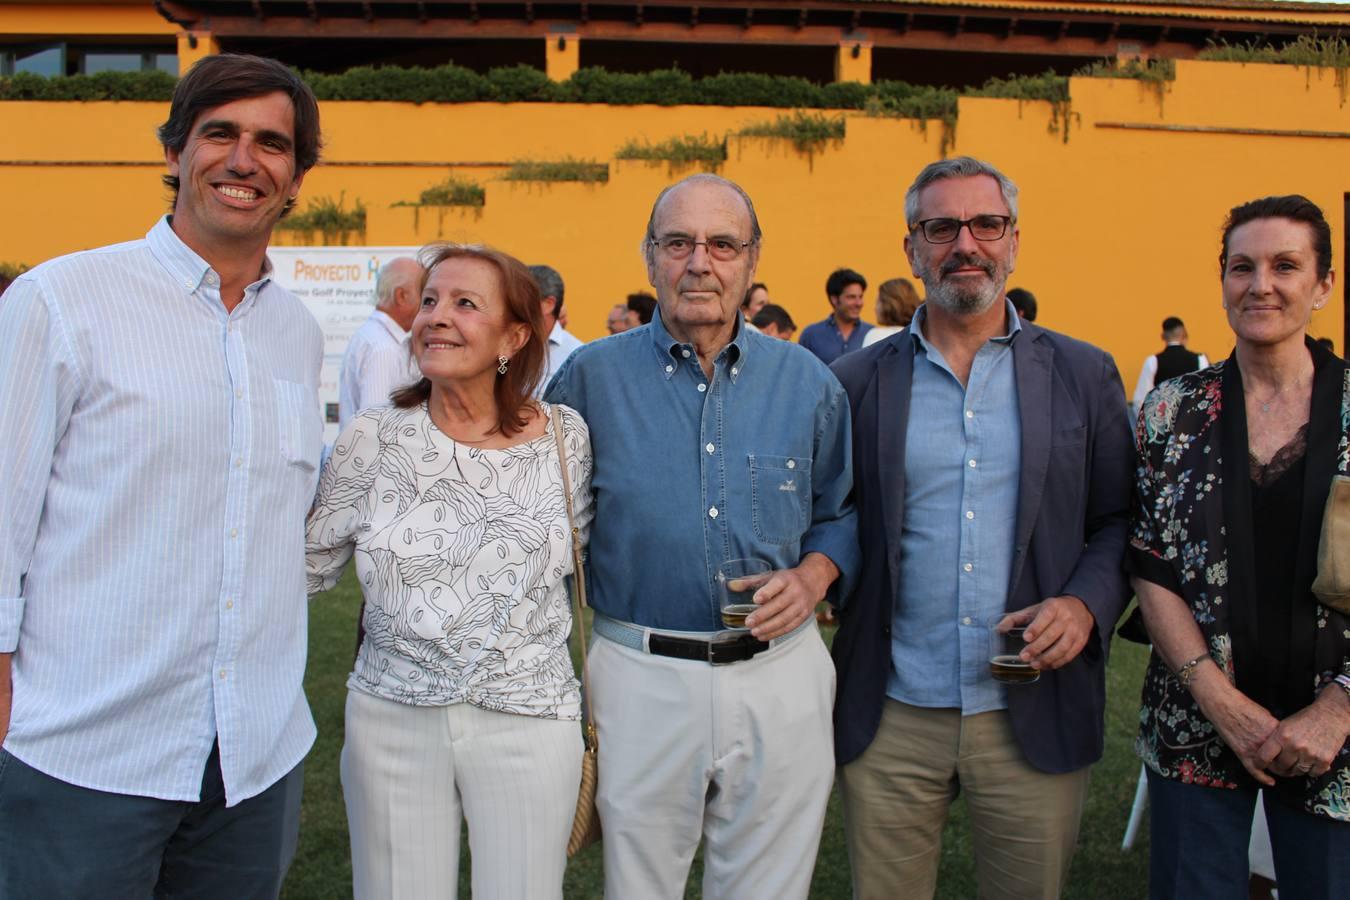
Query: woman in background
[(896, 302)]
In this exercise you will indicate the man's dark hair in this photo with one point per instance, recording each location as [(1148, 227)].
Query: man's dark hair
[(750, 292), (775, 315), (1294, 207), (1024, 301), (840, 279), (1171, 324), (227, 77), (550, 285), (643, 304)]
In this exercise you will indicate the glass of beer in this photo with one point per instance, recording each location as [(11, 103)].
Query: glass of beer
[(1007, 639), (739, 579)]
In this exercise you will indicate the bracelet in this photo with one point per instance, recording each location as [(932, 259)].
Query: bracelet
[(1343, 681), (1187, 671)]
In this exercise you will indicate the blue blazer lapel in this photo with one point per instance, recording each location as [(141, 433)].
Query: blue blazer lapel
[(1033, 363), (895, 375)]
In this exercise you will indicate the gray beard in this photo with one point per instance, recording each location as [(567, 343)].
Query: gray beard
[(953, 299)]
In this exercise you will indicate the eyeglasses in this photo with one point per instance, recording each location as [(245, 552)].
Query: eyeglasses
[(982, 228), (678, 246)]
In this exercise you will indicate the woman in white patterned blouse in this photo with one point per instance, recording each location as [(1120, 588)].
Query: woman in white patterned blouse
[(463, 699)]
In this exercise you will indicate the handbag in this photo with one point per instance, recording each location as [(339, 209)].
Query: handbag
[(1332, 584), (586, 822)]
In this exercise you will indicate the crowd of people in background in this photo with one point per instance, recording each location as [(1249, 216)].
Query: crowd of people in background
[(950, 479)]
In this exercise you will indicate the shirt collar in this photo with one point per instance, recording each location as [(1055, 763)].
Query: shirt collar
[(555, 336), (182, 262), (921, 317), (670, 352), (395, 330)]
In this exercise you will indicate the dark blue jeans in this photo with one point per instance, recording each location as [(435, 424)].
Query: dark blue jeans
[(59, 840), (1198, 840)]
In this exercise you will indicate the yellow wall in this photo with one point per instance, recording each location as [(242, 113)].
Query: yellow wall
[(1119, 227), (70, 19)]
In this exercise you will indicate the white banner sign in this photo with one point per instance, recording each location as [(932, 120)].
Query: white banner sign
[(338, 286)]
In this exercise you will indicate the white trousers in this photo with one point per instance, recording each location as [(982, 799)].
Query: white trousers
[(410, 772), (740, 755)]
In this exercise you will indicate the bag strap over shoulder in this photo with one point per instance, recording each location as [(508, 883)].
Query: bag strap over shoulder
[(578, 577)]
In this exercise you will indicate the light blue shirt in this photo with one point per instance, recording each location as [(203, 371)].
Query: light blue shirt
[(157, 459), (692, 471), (962, 458)]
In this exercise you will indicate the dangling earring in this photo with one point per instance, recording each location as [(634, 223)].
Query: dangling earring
[(501, 365)]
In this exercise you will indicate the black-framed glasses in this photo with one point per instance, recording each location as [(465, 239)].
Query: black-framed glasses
[(982, 228), (678, 246)]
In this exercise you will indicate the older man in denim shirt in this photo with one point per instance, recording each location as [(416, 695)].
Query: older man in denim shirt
[(711, 443)]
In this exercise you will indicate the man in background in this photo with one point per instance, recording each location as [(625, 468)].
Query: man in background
[(772, 320), (843, 330), (641, 306), (561, 342), (1174, 359), (619, 319), (377, 361), (1024, 301)]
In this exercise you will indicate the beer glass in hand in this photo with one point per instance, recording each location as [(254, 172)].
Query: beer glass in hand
[(1007, 639), (739, 579)]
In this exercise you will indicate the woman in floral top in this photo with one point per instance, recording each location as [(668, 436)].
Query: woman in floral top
[(463, 701), (1235, 464)]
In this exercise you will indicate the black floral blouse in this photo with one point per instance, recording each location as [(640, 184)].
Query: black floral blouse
[(1192, 534)]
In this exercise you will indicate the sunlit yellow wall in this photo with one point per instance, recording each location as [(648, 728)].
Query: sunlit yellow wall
[(1119, 227), (82, 19)]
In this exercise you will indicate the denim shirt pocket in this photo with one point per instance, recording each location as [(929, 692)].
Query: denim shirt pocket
[(299, 425), (780, 494)]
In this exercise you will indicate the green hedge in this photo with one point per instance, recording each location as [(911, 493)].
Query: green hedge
[(517, 84)]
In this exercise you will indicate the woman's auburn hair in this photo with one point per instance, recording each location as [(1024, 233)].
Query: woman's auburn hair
[(514, 390)]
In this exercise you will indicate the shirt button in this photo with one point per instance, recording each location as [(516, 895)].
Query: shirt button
[(792, 464), (970, 514), (684, 353), (211, 278), (712, 512), (710, 448), (972, 463), (970, 414), (966, 620), (187, 282), (238, 463), (229, 604), (669, 369), (702, 388), (222, 674), (234, 532), (239, 392), (968, 567), (735, 371)]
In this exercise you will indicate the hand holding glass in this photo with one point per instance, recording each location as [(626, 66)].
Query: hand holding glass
[(739, 579), (1007, 641)]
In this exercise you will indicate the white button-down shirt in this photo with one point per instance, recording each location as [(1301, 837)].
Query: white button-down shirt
[(561, 344), (157, 458), (377, 363)]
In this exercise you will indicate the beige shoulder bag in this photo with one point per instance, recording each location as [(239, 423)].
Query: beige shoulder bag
[(1332, 584), (586, 823)]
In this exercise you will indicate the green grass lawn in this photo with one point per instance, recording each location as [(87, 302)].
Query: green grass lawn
[(1101, 871)]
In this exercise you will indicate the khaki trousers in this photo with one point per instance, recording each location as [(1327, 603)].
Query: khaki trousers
[(1024, 823)]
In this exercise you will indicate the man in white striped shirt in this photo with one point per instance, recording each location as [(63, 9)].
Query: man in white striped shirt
[(377, 361), (159, 443)]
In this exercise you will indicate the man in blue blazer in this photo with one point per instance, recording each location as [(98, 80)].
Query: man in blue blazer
[(992, 473)]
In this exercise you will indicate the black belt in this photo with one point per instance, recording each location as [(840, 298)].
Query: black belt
[(717, 653)]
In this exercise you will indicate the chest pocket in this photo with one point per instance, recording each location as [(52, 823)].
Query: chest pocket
[(780, 494), (299, 426)]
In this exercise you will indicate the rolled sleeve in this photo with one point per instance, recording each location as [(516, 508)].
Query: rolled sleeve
[(834, 519), (38, 385)]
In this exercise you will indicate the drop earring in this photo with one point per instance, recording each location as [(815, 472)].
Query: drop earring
[(501, 365)]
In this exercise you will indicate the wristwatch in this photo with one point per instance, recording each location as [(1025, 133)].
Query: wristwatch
[(1344, 682), (1187, 671)]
